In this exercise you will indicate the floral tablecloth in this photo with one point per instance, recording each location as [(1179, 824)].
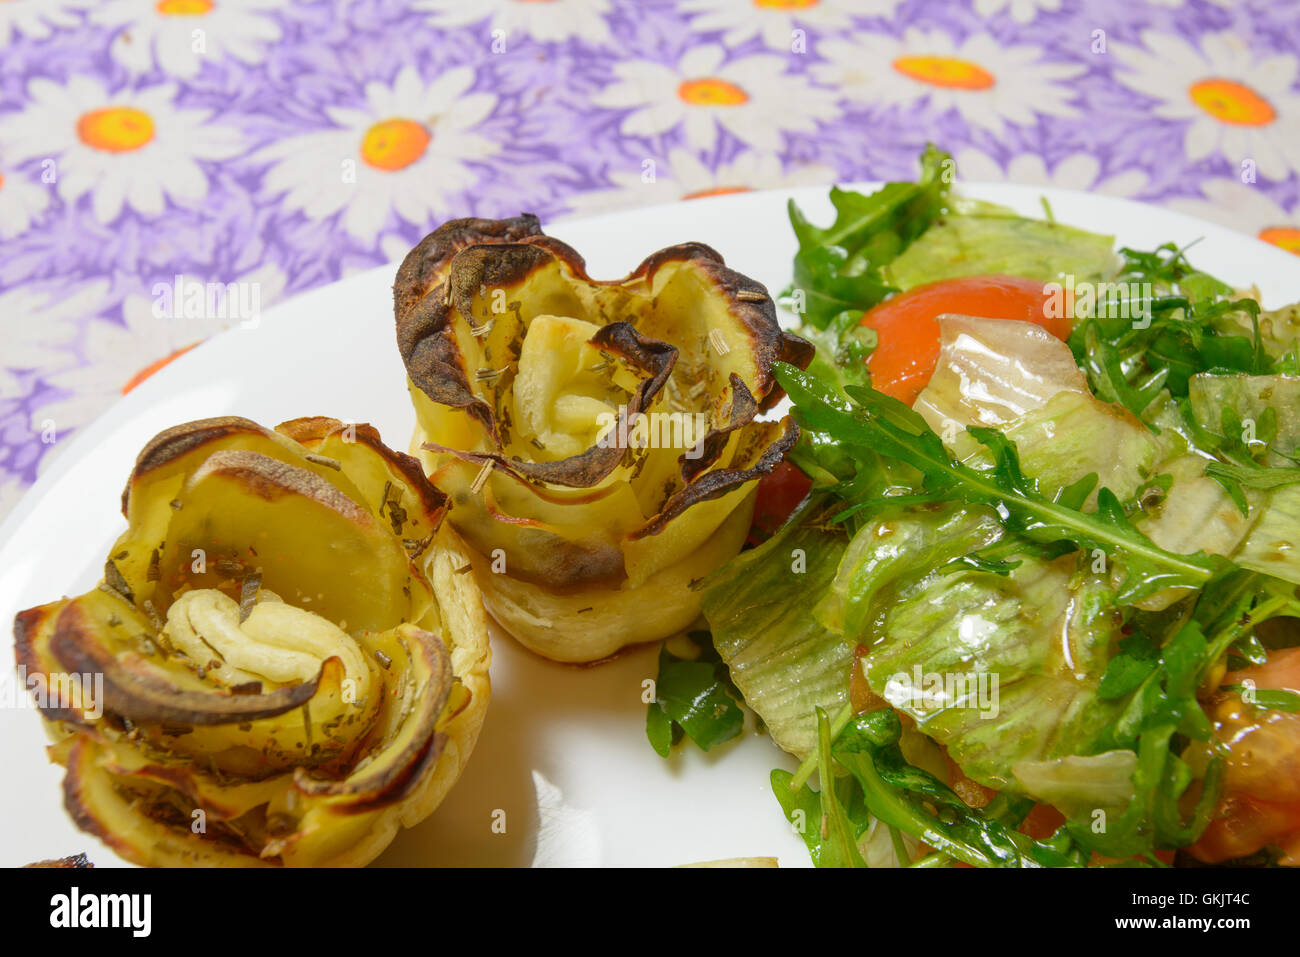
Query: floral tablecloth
[(273, 146)]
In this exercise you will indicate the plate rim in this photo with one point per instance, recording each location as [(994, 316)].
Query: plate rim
[(90, 434), (174, 378)]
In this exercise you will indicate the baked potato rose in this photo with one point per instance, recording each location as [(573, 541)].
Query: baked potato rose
[(287, 664), (599, 440)]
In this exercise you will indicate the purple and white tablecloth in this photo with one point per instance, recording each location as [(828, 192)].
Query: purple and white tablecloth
[(279, 145)]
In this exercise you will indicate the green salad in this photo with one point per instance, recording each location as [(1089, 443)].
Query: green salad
[(1037, 603)]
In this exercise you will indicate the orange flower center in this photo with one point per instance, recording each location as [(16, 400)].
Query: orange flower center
[(785, 4), (1284, 237), (184, 8), (395, 144), (115, 129), (1231, 102), (945, 71), (711, 91), (153, 367), (717, 191), (2, 180)]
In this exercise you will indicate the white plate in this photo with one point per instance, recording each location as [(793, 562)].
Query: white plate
[(563, 752)]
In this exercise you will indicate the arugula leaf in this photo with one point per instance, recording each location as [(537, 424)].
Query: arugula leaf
[(661, 730), (1136, 660), (842, 349), (695, 698), (838, 268), (905, 800), (903, 796), (1165, 705), (1162, 323), (1253, 458), (1102, 361), (890, 428), (1235, 477), (1274, 699), (830, 820), (839, 847), (1164, 334), (802, 808)]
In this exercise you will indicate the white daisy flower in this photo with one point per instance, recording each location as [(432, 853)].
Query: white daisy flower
[(131, 147), (37, 19), (1076, 171), (1244, 206), (684, 176), (122, 353), (548, 22), (776, 20), (21, 202), (751, 98), (404, 153), (1240, 103), (180, 34), (987, 83), (1022, 11), (40, 327)]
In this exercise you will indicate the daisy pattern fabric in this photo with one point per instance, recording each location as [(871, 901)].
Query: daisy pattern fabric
[(282, 145)]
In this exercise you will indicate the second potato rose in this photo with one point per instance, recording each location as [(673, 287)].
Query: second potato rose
[(599, 439)]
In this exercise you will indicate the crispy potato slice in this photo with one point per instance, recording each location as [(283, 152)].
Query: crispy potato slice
[(594, 436), (282, 665)]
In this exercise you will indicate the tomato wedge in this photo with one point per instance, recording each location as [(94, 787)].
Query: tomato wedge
[(1245, 825), (908, 343), (779, 494), (1261, 801)]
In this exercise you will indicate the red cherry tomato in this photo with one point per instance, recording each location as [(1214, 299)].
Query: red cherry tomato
[(779, 493), (908, 344)]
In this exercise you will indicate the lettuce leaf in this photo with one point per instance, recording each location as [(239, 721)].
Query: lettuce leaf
[(1273, 544), (1198, 514), (1014, 659), (1078, 785), (782, 659), (1264, 411), (1278, 330), (883, 426), (1075, 435), (988, 240), (897, 544), (1017, 377)]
